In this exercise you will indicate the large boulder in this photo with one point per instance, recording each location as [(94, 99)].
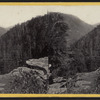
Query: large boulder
[(40, 64), (23, 80)]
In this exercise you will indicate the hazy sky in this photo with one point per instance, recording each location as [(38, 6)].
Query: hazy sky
[(11, 15)]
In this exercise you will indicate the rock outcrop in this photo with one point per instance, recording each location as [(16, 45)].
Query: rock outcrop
[(40, 65), (85, 83)]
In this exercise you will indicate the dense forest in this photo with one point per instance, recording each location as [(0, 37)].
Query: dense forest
[(36, 38)]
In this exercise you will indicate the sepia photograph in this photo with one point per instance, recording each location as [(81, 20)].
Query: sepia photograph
[(50, 49)]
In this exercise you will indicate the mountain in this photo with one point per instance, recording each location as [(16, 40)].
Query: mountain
[(2, 31), (78, 28), (49, 35)]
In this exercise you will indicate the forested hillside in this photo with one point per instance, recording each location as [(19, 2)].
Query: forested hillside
[(47, 35), (87, 51), (78, 28)]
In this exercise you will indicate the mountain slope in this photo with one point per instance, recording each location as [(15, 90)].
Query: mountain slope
[(78, 28), (87, 51)]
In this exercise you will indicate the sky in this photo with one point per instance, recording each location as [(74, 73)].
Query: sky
[(12, 15)]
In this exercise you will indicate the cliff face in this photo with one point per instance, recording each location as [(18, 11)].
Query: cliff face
[(87, 51), (42, 36)]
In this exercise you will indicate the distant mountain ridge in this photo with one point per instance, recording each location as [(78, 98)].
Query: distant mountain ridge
[(2, 31), (78, 28)]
